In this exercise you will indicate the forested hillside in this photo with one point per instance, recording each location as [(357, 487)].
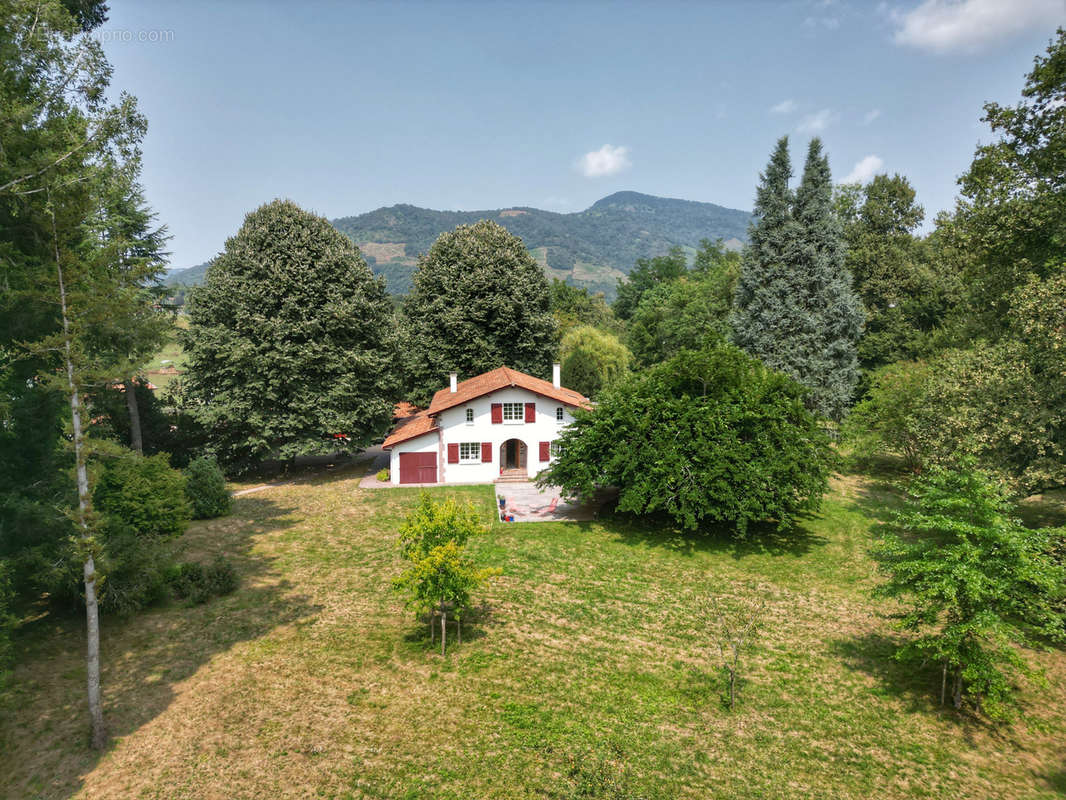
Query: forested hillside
[(590, 248)]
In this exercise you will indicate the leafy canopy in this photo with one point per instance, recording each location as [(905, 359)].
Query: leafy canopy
[(290, 342), (708, 436), (592, 359), (974, 584)]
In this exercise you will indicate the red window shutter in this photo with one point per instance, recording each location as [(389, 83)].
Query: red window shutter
[(531, 412), (486, 452), (497, 413), (453, 453), (545, 451)]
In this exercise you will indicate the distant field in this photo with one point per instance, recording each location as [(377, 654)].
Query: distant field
[(170, 357), (589, 662)]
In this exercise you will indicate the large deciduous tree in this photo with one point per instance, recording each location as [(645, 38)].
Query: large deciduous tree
[(290, 342), (479, 301), (708, 436), (795, 308), (592, 359)]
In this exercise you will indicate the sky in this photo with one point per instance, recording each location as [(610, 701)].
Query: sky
[(347, 107)]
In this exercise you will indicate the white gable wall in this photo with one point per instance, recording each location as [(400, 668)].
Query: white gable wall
[(456, 430)]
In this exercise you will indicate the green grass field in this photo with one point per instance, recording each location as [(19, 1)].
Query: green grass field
[(590, 671), (171, 355)]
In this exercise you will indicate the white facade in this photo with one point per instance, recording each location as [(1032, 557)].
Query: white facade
[(471, 435)]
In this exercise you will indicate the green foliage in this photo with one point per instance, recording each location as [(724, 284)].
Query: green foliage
[(479, 302), (646, 275), (794, 307), (592, 360), (887, 421), (289, 342), (134, 571), (1010, 221), (706, 436), (574, 307), (688, 314), (7, 621), (205, 486), (145, 495), (975, 585), (111, 417), (433, 523), (195, 583), (907, 293), (383, 475)]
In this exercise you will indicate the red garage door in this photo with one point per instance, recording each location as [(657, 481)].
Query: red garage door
[(418, 467)]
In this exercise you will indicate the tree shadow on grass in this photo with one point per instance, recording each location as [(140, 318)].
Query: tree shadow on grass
[(44, 735), (476, 620), (659, 530)]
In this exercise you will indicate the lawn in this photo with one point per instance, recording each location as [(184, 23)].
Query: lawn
[(170, 356), (589, 666)]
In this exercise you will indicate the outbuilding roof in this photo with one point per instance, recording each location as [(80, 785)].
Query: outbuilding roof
[(411, 428)]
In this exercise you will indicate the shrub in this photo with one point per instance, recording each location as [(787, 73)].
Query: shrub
[(134, 570), (205, 486), (195, 583), (143, 494), (383, 475), (710, 435)]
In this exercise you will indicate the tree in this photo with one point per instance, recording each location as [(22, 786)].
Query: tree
[(906, 293), (67, 150), (887, 420), (290, 342), (687, 314), (145, 494), (205, 486), (439, 575), (708, 436), (974, 582), (479, 301), (735, 624), (573, 306), (592, 359), (794, 307), (1010, 220), (645, 275)]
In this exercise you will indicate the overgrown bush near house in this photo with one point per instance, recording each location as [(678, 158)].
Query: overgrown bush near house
[(383, 475), (708, 436), (196, 583), (205, 486)]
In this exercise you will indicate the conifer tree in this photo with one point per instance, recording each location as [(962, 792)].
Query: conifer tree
[(795, 308)]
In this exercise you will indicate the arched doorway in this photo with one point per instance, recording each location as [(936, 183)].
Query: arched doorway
[(513, 456)]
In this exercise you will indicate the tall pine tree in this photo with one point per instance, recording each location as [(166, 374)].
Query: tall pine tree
[(795, 308)]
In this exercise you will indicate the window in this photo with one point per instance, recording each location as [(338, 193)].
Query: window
[(559, 414), (470, 452), (555, 450), (470, 416), (514, 412)]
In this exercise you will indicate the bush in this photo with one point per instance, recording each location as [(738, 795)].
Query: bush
[(134, 570), (144, 495), (195, 583), (205, 487), (710, 435), (383, 475)]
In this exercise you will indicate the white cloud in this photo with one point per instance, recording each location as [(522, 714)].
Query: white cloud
[(943, 26), (864, 170), (784, 107), (870, 116), (608, 160), (818, 121)]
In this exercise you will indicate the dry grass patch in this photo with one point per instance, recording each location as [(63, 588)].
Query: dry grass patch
[(591, 649)]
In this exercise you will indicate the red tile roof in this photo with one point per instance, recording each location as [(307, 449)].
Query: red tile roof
[(410, 428), (503, 378), (403, 410)]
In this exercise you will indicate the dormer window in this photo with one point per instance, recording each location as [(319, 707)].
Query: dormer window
[(559, 414), (470, 416)]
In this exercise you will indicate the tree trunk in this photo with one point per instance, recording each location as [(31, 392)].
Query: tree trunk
[(732, 687), (98, 736), (443, 629), (432, 632), (956, 695), (135, 416), (459, 629), (944, 684)]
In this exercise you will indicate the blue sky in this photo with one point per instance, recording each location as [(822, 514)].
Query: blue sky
[(346, 107)]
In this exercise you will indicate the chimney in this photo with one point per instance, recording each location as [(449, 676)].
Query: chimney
[(556, 381), (453, 377)]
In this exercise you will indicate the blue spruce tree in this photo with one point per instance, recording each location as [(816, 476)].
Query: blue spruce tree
[(795, 308)]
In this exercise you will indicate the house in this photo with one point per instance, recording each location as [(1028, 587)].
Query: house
[(496, 426)]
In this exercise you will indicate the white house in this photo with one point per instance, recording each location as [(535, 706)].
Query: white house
[(498, 425)]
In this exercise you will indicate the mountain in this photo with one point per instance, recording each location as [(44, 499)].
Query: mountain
[(190, 276), (591, 248)]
